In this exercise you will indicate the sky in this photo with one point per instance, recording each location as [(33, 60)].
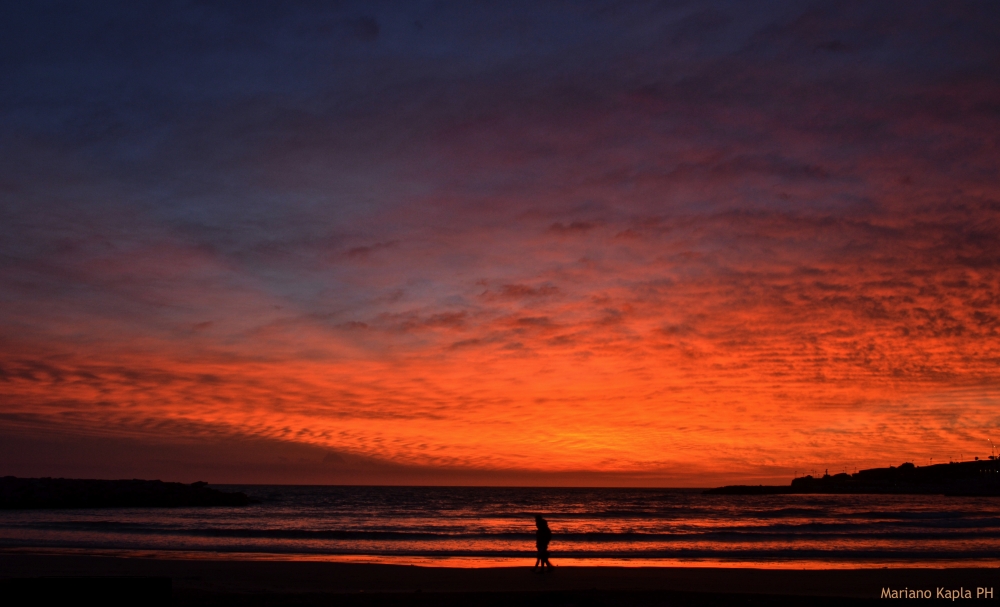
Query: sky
[(513, 243)]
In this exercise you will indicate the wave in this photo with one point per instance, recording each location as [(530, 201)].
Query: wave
[(803, 533), (486, 522), (732, 555)]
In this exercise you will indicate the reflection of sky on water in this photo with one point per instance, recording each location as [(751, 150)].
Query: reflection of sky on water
[(493, 524)]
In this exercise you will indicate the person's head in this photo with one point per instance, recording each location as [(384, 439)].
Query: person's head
[(540, 522)]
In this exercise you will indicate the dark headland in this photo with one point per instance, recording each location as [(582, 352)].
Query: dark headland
[(31, 493), (971, 478)]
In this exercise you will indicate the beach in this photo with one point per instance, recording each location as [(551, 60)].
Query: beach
[(475, 546), (260, 582)]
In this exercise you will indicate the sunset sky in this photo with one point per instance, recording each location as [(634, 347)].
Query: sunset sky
[(644, 243)]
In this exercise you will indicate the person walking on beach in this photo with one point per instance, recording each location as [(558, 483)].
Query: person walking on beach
[(542, 538)]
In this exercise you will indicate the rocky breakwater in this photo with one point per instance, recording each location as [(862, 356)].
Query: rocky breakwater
[(35, 493)]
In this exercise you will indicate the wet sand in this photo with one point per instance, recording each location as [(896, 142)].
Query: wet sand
[(216, 582)]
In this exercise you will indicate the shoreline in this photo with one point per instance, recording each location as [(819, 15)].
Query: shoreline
[(493, 562), (206, 580)]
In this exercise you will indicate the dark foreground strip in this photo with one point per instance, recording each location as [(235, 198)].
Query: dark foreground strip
[(593, 598), (102, 591)]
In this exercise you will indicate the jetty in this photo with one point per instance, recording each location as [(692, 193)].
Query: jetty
[(35, 493)]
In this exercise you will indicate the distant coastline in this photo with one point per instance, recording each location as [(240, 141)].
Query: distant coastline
[(970, 478), (37, 493)]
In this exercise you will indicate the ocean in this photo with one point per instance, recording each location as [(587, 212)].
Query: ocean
[(494, 526)]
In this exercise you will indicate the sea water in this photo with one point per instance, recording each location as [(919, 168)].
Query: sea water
[(488, 526)]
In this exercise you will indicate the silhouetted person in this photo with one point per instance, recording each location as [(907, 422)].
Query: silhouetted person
[(542, 538)]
